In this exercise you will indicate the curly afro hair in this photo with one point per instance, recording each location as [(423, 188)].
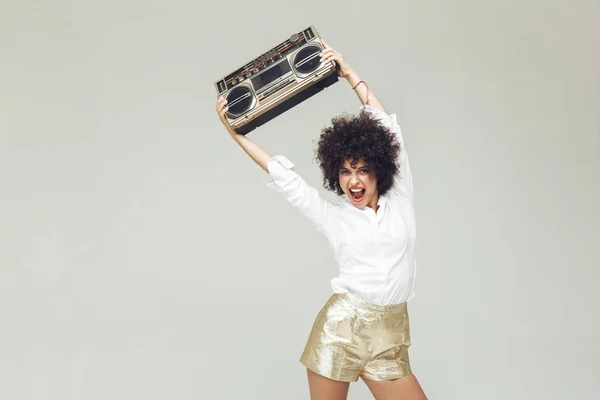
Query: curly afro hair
[(354, 138)]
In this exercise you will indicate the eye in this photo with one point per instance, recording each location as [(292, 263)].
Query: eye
[(364, 171), (344, 172)]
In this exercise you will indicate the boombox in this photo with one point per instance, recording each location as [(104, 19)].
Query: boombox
[(276, 81)]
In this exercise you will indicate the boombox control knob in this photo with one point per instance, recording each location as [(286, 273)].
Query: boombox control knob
[(294, 38)]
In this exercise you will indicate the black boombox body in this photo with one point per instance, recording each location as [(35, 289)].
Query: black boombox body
[(276, 81)]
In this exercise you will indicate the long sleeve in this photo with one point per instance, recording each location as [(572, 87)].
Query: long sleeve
[(403, 185), (298, 193)]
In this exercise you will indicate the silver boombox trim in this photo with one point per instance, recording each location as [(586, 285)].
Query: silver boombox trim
[(276, 81)]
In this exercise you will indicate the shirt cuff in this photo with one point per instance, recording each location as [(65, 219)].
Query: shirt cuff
[(281, 171)]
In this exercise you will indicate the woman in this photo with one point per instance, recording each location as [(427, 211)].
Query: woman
[(363, 330)]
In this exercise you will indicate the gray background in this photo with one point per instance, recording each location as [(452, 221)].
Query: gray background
[(142, 255)]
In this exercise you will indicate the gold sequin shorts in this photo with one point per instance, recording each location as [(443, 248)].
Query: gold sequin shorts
[(352, 338)]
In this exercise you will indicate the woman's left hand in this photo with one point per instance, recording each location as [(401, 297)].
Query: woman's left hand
[(329, 54)]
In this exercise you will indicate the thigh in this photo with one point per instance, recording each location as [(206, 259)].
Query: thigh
[(405, 388), (322, 388)]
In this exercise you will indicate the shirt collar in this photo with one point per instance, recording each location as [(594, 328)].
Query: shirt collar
[(381, 202)]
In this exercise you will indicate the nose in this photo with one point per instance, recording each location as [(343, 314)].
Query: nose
[(354, 180)]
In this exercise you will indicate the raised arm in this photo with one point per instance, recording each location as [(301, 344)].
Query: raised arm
[(360, 87), (256, 153), (283, 177), (403, 180)]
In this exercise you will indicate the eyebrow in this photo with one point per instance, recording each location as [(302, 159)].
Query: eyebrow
[(362, 166)]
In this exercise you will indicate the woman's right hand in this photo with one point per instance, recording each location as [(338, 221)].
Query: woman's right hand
[(258, 155), (222, 110)]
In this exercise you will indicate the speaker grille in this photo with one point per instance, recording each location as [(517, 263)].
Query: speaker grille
[(306, 60), (240, 100)]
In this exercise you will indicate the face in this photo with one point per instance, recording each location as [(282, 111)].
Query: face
[(359, 183)]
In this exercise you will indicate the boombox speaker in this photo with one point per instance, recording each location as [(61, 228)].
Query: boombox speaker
[(276, 81)]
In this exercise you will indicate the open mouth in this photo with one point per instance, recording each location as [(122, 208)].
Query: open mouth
[(357, 195)]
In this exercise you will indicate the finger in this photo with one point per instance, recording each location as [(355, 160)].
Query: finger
[(331, 54), (325, 55)]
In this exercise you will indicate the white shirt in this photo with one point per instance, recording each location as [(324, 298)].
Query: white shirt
[(375, 252)]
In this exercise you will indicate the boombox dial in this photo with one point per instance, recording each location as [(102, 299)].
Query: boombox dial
[(307, 60), (240, 100)]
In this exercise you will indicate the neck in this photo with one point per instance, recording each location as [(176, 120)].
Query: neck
[(373, 203)]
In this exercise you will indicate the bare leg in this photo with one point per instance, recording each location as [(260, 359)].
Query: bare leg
[(322, 388), (406, 388)]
